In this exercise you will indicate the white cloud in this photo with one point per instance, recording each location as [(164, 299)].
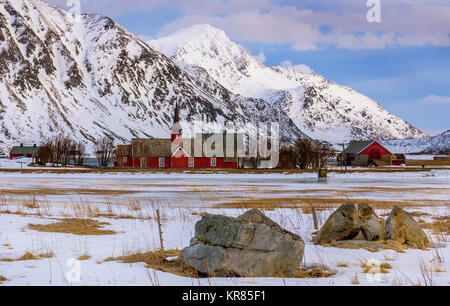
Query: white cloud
[(405, 23), (300, 68), (433, 99), (432, 132), (260, 57)]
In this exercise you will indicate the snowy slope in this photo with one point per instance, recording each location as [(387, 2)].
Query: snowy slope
[(438, 143), (320, 108), (94, 78)]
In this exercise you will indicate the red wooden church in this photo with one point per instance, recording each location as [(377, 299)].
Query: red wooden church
[(175, 152)]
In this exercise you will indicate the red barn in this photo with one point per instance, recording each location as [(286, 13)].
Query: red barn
[(365, 153), (23, 151), (175, 152)]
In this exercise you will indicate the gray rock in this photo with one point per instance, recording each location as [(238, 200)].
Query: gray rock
[(225, 246), (400, 226), (343, 224), (372, 227)]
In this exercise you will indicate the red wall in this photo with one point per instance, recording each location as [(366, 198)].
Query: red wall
[(398, 162), (376, 145), (182, 162), (129, 162), (12, 156), (152, 162)]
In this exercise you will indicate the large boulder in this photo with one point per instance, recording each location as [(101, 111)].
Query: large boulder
[(343, 224), (372, 227), (400, 226), (225, 246)]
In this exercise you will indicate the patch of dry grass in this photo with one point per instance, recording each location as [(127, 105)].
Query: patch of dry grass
[(354, 280), (84, 257), (382, 268), (440, 227), (157, 260), (353, 246), (2, 279), (314, 273), (374, 246), (323, 203), (28, 256), (428, 162), (81, 227), (65, 191), (46, 255)]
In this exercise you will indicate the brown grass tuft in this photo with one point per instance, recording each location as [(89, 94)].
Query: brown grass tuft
[(314, 273), (84, 257), (3, 279), (82, 227), (354, 280), (383, 268), (46, 255), (28, 256), (157, 260)]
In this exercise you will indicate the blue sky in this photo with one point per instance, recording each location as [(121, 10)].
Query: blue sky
[(403, 62)]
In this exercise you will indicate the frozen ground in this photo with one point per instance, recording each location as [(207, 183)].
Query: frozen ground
[(43, 198)]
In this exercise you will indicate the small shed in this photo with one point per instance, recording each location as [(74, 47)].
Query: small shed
[(365, 153), (23, 151)]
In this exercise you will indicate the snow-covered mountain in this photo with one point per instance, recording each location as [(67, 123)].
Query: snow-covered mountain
[(92, 77), (320, 108), (438, 143)]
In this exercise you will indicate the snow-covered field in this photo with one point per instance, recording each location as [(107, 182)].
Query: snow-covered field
[(126, 202)]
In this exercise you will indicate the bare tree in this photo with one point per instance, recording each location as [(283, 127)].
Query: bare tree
[(45, 153), (79, 153), (304, 152), (104, 150), (287, 156)]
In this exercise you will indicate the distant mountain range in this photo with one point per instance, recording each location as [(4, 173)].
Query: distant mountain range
[(439, 143), (320, 108)]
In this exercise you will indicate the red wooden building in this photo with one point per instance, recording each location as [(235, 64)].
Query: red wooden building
[(23, 151), (175, 152), (365, 153)]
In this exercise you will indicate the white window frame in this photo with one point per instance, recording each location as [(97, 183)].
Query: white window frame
[(213, 162), (191, 162), (143, 162), (162, 162), (125, 159)]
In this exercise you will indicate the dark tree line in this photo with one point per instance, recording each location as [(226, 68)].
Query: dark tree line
[(62, 150), (304, 154)]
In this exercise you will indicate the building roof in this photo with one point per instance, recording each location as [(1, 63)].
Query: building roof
[(357, 146), (25, 150), (124, 150), (145, 147)]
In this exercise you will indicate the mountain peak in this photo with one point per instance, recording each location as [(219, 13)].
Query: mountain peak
[(200, 34)]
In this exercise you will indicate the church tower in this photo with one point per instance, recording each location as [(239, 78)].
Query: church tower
[(177, 131)]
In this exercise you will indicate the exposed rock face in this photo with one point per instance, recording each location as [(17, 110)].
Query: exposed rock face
[(372, 227), (225, 246), (343, 224), (401, 227)]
